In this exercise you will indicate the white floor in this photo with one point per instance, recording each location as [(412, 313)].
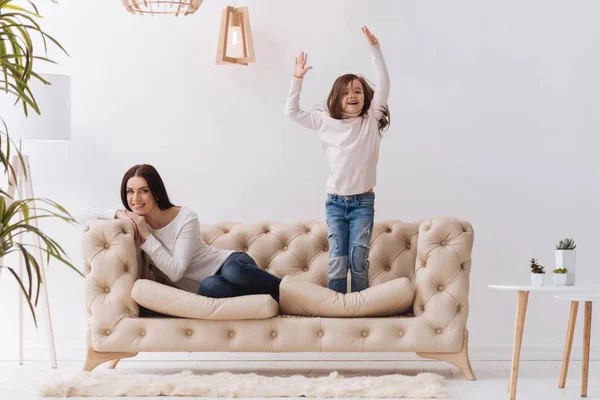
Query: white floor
[(537, 379)]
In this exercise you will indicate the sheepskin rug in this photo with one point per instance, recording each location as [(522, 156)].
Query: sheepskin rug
[(114, 383)]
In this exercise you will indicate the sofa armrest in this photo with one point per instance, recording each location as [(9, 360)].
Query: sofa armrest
[(441, 278), (111, 264)]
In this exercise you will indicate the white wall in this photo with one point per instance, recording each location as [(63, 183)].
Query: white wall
[(492, 121)]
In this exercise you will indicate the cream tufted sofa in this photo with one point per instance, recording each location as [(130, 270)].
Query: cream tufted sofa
[(434, 254)]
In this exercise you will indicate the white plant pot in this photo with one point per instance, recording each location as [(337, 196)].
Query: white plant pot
[(560, 279), (566, 259), (537, 279)]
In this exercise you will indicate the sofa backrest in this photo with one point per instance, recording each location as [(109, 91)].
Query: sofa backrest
[(301, 248)]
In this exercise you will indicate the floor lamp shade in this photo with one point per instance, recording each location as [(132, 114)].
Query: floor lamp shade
[(54, 102)]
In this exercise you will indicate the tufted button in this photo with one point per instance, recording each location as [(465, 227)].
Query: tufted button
[(245, 249), (267, 230), (106, 245), (389, 231), (189, 332), (108, 332), (285, 247), (305, 269), (142, 333), (87, 228), (439, 331), (388, 269), (400, 333), (458, 308), (231, 334), (320, 334), (266, 268), (365, 333), (127, 311), (273, 334), (408, 245), (326, 248), (440, 288), (308, 231), (443, 243), (106, 289)]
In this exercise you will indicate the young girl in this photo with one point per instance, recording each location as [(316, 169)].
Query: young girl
[(170, 236), (350, 133)]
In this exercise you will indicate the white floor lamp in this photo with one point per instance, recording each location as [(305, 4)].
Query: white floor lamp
[(54, 124)]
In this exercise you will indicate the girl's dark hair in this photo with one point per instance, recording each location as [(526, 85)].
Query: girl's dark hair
[(334, 100), (155, 183)]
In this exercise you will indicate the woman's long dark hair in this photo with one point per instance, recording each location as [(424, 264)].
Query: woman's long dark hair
[(155, 183), (334, 100)]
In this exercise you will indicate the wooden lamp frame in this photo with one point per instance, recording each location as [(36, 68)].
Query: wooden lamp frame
[(241, 14)]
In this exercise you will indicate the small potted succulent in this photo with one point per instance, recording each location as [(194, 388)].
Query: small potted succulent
[(565, 258), (537, 273), (560, 276)]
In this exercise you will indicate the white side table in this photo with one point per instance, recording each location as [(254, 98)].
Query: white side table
[(587, 330), (522, 299)]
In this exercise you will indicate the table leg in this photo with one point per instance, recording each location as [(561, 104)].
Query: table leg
[(522, 299), (587, 330), (568, 344)]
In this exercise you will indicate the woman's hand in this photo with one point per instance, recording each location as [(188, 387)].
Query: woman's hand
[(300, 67), (370, 37), (121, 215), (140, 223)]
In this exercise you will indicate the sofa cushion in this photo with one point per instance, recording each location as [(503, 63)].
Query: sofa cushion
[(179, 303), (300, 297)]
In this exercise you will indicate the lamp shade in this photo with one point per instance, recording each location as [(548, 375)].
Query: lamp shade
[(235, 45), (54, 102)]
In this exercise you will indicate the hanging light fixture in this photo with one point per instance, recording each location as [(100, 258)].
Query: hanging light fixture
[(235, 39), (152, 7)]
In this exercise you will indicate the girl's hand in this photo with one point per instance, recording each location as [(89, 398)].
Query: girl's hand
[(140, 222), (121, 215), (300, 67), (370, 37)]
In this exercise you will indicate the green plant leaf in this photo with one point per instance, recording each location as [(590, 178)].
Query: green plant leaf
[(14, 274)]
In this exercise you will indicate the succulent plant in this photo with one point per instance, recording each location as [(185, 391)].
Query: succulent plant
[(566, 244), (535, 267), (560, 271)]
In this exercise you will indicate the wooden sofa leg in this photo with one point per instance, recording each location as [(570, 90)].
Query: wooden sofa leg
[(460, 359), (94, 358)]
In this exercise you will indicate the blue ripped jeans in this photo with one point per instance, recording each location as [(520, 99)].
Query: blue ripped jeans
[(349, 226)]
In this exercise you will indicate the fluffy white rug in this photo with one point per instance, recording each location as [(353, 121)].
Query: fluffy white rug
[(225, 384)]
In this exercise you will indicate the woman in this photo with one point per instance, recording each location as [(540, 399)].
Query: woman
[(170, 236)]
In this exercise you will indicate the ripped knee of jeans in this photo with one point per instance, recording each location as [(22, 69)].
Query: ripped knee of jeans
[(359, 258)]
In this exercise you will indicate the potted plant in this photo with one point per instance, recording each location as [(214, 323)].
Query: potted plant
[(560, 276), (565, 258), (537, 273), (19, 29)]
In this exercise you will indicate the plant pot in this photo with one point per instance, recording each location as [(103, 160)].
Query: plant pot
[(537, 279), (560, 279), (566, 259)]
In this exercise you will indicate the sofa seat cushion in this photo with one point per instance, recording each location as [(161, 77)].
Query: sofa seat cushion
[(300, 297), (179, 303)]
